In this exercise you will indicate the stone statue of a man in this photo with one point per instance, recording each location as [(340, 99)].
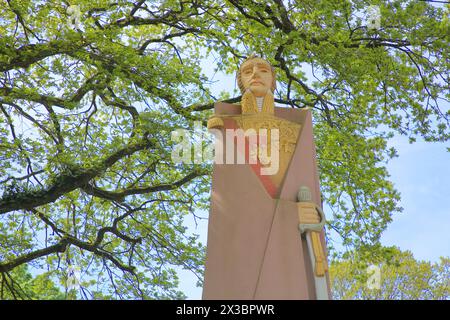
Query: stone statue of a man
[(255, 250)]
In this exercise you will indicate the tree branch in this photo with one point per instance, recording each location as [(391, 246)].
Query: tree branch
[(59, 247), (67, 181), (28, 54), (120, 195)]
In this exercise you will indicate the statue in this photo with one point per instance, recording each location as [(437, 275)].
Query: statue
[(265, 231)]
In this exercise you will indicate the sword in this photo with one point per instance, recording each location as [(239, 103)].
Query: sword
[(312, 233)]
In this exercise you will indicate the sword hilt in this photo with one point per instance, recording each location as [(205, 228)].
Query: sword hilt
[(313, 230)]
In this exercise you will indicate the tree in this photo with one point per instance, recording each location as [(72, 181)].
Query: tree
[(21, 284), (91, 90), (401, 277)]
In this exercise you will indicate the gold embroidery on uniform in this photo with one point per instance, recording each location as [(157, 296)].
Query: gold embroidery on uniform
[(288, 130)]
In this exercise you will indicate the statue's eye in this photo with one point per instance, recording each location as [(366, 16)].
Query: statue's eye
[(247, 71)]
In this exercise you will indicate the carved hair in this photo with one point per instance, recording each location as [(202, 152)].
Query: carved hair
[(239, 79)]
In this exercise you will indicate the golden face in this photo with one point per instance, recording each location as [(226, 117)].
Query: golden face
[(256, 75)]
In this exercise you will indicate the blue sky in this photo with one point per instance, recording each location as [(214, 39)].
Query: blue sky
[(421, 174)]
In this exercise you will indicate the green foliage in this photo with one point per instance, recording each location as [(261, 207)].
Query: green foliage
[(87, 107), (401, 278), (20, 284)]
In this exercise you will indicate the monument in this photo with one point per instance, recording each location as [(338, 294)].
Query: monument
[(265, 231)]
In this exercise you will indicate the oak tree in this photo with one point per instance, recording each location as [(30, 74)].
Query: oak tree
[(90, 92)]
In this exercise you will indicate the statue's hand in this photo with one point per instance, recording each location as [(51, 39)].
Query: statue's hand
[(307, 213), (215, 123)]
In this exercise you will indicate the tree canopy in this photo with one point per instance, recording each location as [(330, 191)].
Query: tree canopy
[(20, 284), (401, 277), (90, 92)]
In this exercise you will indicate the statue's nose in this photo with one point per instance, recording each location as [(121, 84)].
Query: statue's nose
[(255, 73)]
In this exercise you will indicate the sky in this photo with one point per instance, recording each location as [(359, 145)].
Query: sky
[(421, 173)]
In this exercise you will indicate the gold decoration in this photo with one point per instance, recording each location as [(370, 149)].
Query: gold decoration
[(249, 105), (288, 131), (321, 261), (215, 122)]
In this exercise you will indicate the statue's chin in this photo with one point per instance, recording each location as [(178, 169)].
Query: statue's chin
[(258, 91)]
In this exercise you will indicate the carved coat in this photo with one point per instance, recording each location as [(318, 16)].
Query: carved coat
[(254, 249)]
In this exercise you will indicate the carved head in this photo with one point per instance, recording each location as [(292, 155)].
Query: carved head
[(256, 74)]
